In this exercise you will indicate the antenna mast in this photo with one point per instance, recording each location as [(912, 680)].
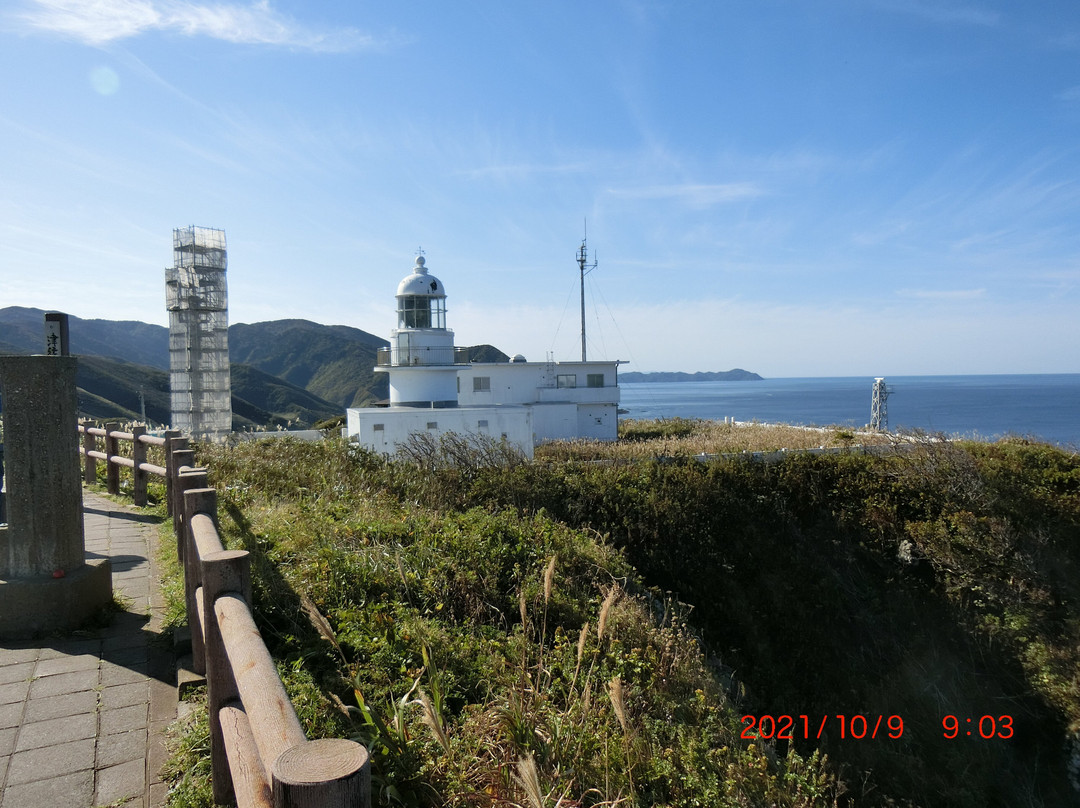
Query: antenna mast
[(586, 268)]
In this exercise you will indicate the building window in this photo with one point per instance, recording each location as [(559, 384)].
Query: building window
[(378, 427), (566, 380), (481, 424), (432, 424), (596, 380), (481, 384)]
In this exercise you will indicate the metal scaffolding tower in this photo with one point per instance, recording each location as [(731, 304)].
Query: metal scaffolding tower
[(879, 411), (196, 297)]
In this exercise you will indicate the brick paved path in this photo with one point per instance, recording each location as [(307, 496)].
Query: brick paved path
[(82, 716)]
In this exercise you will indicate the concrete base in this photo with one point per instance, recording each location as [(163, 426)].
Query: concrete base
[(36, 606)]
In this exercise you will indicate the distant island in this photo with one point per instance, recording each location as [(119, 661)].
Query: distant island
[(736, 375)]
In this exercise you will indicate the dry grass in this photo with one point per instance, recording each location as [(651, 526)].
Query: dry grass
[(686, 438)]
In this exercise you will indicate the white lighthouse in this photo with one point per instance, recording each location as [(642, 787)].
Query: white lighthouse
[(420, 359), (435, 389)]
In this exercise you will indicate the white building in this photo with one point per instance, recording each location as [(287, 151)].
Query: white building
[(434, 389)]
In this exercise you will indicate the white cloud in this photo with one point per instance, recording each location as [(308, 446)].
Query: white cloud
[(99, 22)]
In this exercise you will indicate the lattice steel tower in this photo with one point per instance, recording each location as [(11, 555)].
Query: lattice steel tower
[(197, 299), (879, 411)]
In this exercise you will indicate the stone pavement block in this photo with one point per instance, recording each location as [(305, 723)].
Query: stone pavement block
[(137, 592), (131, 562), (4, 759), (64, 683), (125, 695), (11, 714), (7, 742), (56, 731), (157, 754), (17, 672), (69, 790), (162, 700), (127, 657), (51, 761), (159, 792), (126, 623), (68, 704), (119, 675), (124, 718), (15, 654), (65, 648), (13, 692), (67, 664), (122, 642), (121, 747), (127, 781)]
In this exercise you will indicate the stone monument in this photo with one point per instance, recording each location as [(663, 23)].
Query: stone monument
[(47, 583)]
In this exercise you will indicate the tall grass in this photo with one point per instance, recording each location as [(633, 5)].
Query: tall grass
[(682, 437), (459, 646), (567, 633)]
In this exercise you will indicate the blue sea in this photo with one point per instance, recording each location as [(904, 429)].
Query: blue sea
[(1043, 406)]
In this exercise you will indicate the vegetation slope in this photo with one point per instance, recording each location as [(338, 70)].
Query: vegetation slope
[(510, 633)]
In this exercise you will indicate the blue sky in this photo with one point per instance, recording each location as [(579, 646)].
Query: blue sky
[(795, 187)]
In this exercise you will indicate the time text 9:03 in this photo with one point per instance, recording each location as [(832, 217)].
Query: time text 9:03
[(985, 727)]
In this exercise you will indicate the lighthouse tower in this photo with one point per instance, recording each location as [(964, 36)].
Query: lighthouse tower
[(420, 359)]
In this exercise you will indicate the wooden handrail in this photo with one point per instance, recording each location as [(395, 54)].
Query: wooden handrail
[(136, 461), (273, 719), (247, 703), (260, 757)]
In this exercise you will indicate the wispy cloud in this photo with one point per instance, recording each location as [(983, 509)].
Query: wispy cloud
[(694, 194), (944, 13), (99, 22), (515, 171), (942, 294)]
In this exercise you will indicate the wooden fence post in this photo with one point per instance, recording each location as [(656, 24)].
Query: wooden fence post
[(223, 572), (197, 499), (329, 772), (173, 442), (139, 475), (112, 448), (181, 458), (89, 443)]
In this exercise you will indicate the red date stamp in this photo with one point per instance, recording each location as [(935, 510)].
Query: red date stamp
[(790, 727)]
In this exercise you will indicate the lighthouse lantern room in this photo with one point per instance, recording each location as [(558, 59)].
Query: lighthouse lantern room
[(420, 359)]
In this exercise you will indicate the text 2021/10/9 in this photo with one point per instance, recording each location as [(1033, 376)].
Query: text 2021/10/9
[(787, 727)]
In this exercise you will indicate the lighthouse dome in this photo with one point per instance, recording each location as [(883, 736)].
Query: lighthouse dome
[(420, 283)]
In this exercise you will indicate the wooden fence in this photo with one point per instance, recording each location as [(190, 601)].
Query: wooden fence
[(258, 750)]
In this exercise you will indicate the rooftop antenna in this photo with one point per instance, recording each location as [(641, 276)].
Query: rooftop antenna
[(586, 268)]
